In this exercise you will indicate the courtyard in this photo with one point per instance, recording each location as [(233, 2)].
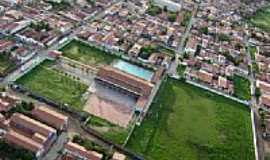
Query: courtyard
[(110, 105), (55, 85), (188, 123)]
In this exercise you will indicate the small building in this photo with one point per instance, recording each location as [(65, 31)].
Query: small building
[(7, 102), (264, 86), (265, 101), (81, 153), (118, 156), (223, 82)]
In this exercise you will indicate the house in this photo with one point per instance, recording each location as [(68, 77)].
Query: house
[(205, 76), (222, 82), (264, 86), (7, 102), (265, 100), (118, 156), (51, 117)]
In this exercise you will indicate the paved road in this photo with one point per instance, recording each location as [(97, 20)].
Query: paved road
[(180, 49), (55, 150), (258, 140)]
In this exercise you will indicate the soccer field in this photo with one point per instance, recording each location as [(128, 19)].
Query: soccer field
[(188, 123), (52, 84)]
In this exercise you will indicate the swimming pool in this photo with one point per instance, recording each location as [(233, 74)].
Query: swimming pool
[(133, 69)]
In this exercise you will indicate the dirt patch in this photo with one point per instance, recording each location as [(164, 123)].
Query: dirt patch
[(109, 110)]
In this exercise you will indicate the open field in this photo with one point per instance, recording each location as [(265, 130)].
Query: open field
[(242, 88), (5, 64), (188, 123), (86, 54), (55, 85), (261, 19)]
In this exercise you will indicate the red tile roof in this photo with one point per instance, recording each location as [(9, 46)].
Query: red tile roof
[(81, 151), (125, 81), (50, 117), (205, 76), (31, 124), (265, 100), (22, 141)]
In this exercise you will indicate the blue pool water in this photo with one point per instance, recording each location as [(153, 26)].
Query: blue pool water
[(133, 69)]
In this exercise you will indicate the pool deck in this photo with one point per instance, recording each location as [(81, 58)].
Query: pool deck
[(134, 70)]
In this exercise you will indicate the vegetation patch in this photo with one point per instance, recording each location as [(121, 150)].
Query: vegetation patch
[(181, 70), (146, 51), (8, 151), (188, 123), (261, 19), (5, 64), (84, 53), (110, 131), (55, 85), (242, 87)]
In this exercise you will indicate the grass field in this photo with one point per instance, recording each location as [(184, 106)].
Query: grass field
[(53, 84), (86, 54), (5, 64), (187, 123), (242, 88), (261, 19)]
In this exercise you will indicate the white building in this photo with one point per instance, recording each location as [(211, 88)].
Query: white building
[(171, 6)]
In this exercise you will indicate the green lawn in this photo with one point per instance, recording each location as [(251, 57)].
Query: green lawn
[(5, 64), (55, 85), (188, 123), (86, 54), (261, 19), (242, 88)]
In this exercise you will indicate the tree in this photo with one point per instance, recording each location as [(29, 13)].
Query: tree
[(257, 93)]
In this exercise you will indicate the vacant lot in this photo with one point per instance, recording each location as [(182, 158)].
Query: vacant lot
[(5, 64), (110, 131), (261, 19), (242, 88), (86, 54), (55, 85), (187, 123)]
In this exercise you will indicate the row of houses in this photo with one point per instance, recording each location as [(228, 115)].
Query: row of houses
[(123, 30)]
